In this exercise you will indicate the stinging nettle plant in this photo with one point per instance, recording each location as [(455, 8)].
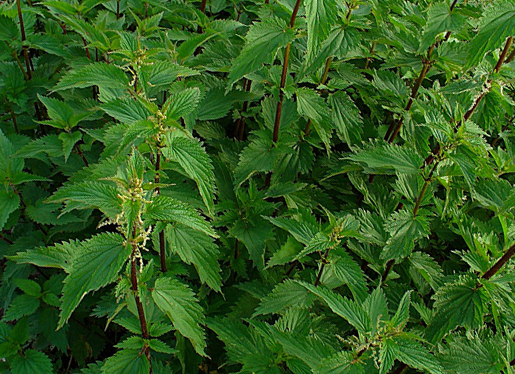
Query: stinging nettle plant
[(291, 186)]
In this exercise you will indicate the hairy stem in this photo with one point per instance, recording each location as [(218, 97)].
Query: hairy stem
[(499, 264)]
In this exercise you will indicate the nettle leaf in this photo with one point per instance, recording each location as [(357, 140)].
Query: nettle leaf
[(345, 308), (241, 343), (196, 248), (69, 140), (254, 235), (62, 115), (179, 303), (460, 303), (344, 268), (31, 362), (87, 195), (405, 229), (96, 264), (495, 26), (311, 105), (414, 354), (285, 295), (127, 111), (440, 18), (320, 16), (388, 159), (95, 74), (9, 202), (127, 361), (262, 42), (346, 118), (22, 305), (497, 195), (342, 362), (259, 156), (164, 208), (181, 104), (192, 157)]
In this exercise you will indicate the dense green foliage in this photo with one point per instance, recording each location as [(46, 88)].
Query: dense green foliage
[(280, 186)]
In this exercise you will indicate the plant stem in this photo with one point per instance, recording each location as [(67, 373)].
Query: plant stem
[(139, 305), (8, 241), (24, 38), (504, 53), (203, 10), (322, 266), (369, 57), (15, 123), (81, 155), (162, 246), (424, 189), (284, 74), (387, 270), (499, 264)]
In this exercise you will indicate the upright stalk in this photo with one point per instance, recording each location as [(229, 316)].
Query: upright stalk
[(139, 305), (284, 74), (24, 38), (162, 246)]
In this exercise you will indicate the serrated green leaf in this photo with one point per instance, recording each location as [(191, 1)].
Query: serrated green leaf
[(164, 208), (87, 195), (31, 362), (495, 26), (22, 305), (95, 74), (192, 157), (179, 303), (9, 202), (262, 42), (126, 361), (96, 264), (198, 249), (181, 104), (320, 17), (285, 295)]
